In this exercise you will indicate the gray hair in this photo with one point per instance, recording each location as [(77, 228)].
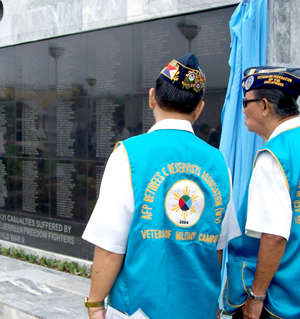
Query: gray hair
[(283, 103)]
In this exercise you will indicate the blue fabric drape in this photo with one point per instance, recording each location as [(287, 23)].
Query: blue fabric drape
[(249, 35)]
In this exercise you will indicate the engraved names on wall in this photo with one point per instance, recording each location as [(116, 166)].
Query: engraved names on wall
[(3, 123), (30, 78), (64, 65), (65, 102), (3, 188), (212, 36), (29, 186), (64, 127), (155, 50), (105, 109), (29, 131), (108, 48), (65, 185), (148, 118)]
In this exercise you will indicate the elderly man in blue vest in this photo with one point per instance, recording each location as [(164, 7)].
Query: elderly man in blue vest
[(264, 264), (164, 211)]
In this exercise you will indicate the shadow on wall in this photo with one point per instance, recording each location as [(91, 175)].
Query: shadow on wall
[(1, 10)]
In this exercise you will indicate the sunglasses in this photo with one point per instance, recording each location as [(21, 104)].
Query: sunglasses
[(245, 102)]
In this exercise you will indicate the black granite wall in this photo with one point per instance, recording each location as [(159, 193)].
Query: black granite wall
[(64, 102)]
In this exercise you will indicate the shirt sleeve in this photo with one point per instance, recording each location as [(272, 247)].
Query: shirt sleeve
[(269, 202), (110, 221), (230, 226)]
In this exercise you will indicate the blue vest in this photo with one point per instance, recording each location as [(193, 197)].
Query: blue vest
[(283, 294), (181, 190)]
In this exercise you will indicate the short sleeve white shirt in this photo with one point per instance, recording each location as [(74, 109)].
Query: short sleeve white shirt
[(110, 222), (269, 203)]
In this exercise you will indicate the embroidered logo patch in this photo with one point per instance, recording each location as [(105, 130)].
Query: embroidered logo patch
[(171, 71), (184, 203), (249, 82)]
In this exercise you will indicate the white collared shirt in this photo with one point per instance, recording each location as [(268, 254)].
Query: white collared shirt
[(269, 204), (110, 222)]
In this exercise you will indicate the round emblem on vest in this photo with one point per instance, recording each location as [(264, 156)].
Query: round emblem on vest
[(184, 203)]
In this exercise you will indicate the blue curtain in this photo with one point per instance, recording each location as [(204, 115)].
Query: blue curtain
[(249, 35)]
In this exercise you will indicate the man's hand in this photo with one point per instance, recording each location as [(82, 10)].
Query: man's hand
[(97, 313), (106, 267), (269, 256), (252, 309)]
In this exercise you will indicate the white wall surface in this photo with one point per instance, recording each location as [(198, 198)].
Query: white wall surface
[(31, 20), (284, 33)]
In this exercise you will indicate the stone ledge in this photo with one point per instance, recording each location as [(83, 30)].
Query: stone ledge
[(30, 291)]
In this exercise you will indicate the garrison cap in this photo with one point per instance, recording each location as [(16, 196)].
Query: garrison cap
[(185, 73), (286, 79)]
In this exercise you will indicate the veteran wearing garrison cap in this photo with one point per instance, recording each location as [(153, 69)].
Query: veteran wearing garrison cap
[(264, 264), (164, 212)]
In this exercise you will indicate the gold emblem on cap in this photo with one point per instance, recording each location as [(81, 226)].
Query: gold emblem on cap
[(174, 74), (192, 80)]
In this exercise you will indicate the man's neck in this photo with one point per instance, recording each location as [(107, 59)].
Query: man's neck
[(163, 115), (276, 123)]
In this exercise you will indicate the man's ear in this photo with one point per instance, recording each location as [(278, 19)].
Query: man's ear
[(152, 101), (198, 110), (267, 106)]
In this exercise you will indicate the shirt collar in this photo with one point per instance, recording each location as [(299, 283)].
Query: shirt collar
[(287, 125), (172, 124)]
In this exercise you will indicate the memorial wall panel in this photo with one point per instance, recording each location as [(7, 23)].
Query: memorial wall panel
[(8, 74), (65, 102)]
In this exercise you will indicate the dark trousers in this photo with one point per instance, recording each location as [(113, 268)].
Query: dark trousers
[(264, 314)]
